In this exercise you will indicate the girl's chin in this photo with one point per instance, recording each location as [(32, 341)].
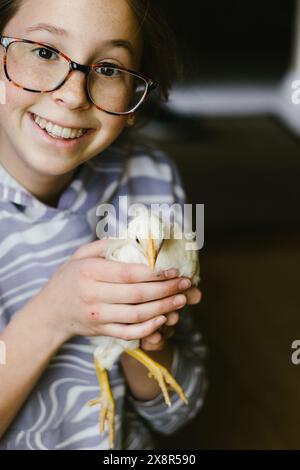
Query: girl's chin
[(42, 136)]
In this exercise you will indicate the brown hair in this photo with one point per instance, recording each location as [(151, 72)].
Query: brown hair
[(160, 60), (8, 8)]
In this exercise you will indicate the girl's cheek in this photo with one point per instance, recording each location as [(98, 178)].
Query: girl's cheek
[(113, 122), (13, 112), (18, 99), (3, 81), (112, 125), (1, 62)]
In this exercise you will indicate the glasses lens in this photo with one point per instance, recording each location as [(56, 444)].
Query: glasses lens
[(35, 67), (115, 90), (38, 68)]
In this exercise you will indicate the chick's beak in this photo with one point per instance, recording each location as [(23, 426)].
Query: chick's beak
[(151, 253)]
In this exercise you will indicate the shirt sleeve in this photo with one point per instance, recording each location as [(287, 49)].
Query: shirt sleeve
[(188, 366)]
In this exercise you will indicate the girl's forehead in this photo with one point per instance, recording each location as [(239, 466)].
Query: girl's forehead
[(79, 21)]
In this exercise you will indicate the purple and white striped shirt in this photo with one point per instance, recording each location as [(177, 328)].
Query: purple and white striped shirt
[(35, 240)]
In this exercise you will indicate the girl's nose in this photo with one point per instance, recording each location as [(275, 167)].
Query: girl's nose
[(73, 92)]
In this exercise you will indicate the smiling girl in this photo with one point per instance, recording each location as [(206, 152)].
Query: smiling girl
[(76, 73)]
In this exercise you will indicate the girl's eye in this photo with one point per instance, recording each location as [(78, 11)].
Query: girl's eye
[(44, 53), (109, 71)]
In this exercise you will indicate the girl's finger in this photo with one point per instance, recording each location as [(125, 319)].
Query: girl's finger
[(132, 293), (130, 332), (153, 346), (92, 249), (101, 269), (194, 295), (127, 313), (155, 338), (172, 318)]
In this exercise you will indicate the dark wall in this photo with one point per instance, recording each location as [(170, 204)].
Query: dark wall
[(233, 38), (245, 172)]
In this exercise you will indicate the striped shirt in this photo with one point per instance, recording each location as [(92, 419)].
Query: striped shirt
[(35, 240)]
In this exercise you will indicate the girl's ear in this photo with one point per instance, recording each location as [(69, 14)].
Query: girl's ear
[(130, 120)]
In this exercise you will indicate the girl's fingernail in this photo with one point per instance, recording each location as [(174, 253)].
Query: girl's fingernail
[(156, 339), (173, 319), (171, 273), (160, 320), (184, 284), (179, 300)]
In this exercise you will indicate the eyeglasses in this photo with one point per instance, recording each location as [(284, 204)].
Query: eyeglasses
[(39, 68)]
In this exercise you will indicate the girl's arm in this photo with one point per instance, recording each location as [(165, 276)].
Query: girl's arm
[(86, 285), (31, 340)]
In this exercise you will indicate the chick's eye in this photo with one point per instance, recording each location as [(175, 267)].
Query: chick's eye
[(137, 240)]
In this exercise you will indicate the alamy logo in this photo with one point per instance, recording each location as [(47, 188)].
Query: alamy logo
[(295, 96), (295, 357), (115, 225), (2, 353)]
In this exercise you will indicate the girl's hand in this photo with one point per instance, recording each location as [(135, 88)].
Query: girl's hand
[(156, 341), (92, 296)]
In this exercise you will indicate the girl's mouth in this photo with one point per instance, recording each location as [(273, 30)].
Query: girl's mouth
[(56, 135)]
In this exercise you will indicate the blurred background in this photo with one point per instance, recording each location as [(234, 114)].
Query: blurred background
[(234, 133)]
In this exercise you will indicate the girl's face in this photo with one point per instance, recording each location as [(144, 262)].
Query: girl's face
[(88, 25)]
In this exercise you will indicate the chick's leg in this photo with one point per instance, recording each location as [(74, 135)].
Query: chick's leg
[(106, 400), (159, 373)]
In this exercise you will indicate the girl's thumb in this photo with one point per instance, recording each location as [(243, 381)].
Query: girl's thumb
[(93, 249)]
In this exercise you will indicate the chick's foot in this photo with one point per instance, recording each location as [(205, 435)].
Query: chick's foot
[(106, 400), (160, 374)]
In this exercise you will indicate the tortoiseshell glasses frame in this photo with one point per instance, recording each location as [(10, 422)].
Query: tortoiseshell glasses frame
[(150, 85)]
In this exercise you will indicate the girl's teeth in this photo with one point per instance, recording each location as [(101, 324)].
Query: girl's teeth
[(49, 127), (66, 133), (59, 132), (42, 123)]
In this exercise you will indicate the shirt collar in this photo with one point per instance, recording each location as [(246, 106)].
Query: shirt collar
[(86, 175)]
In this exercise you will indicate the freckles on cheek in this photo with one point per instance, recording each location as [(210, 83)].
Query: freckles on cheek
[(18, 102), (19, 98)]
